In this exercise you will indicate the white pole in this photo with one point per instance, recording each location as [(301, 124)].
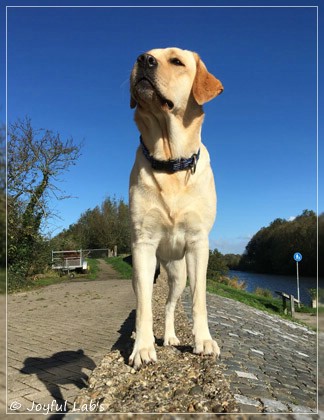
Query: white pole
[(298, 297)]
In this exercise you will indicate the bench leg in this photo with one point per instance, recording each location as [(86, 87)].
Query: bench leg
[(292, 305), (284, 305)]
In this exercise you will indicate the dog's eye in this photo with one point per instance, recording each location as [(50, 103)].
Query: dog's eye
[(176, 62)]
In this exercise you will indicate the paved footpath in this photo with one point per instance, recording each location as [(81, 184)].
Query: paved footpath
[(271, 363), (58, 334)]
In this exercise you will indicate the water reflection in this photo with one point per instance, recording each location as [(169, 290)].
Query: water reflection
[(286, 284)]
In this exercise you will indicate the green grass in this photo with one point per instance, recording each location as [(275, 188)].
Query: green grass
[(45, 282), (264, 303), (36, 284), (305, 309), (122, 268), (2, 280), (268, 304), (93, 265)]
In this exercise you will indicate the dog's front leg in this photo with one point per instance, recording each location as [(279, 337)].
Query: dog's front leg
[(197, 260), (144, 264)]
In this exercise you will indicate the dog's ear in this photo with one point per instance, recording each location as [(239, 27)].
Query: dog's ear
[(205, 86), (133, 103)]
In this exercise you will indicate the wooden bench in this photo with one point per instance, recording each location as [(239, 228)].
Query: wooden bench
[(285, 297)]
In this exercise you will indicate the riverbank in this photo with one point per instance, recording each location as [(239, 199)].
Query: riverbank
[(268, 304), (273, 283)]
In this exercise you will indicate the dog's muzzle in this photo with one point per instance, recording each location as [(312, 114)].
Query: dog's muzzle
[(146, 65)]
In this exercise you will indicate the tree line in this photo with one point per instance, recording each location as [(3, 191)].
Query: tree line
[(272, 248), (104, 226), (37, 159)]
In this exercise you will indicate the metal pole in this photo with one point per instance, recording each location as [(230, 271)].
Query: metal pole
[(298, 297)]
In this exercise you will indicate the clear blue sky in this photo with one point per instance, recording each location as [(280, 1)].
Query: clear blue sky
[(68, 69)]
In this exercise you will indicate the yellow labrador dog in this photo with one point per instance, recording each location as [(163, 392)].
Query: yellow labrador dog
[(172, 192)]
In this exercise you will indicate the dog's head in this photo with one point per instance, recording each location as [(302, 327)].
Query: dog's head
[(166, 79)]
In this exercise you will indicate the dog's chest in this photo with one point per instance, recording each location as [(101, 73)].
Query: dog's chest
[(172, 230), (172, 211), (171, 223)]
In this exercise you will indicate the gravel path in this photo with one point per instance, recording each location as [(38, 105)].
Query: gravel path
[(179, 382)]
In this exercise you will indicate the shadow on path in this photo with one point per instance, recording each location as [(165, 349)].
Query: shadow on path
[(62, 368), (125, 342)]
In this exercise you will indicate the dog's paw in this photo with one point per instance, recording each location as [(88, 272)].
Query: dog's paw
[(171, 341), (142, 356), (207, 347)]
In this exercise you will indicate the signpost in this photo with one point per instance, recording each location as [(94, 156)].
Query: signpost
[(298, 257)]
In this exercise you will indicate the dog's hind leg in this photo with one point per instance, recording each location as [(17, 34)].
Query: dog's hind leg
[(177, 276)]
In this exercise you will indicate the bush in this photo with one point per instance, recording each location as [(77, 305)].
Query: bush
[(321, 295), (16, 276), (263, 292), (234, 282), (216, 265), (312, 293), (2, 280), (24, 263)]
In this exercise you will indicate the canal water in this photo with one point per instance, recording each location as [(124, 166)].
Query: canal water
[(275, 283)]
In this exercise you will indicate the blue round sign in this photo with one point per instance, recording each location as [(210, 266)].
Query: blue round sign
[(298, 256)]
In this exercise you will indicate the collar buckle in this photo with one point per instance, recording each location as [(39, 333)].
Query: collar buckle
[(195, 158)]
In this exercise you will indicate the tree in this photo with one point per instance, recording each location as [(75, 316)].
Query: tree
[(36, 160), (124, 235), (216, 265), (2, 199), (232, 260), (104, 226), (271, 249), (321, 245)]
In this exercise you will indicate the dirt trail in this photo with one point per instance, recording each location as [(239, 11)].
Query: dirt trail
[(107, 272)]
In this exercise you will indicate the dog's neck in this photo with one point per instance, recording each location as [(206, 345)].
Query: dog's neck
[(166, 135)]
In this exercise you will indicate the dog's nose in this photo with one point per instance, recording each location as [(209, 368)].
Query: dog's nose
[(147, 61)]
